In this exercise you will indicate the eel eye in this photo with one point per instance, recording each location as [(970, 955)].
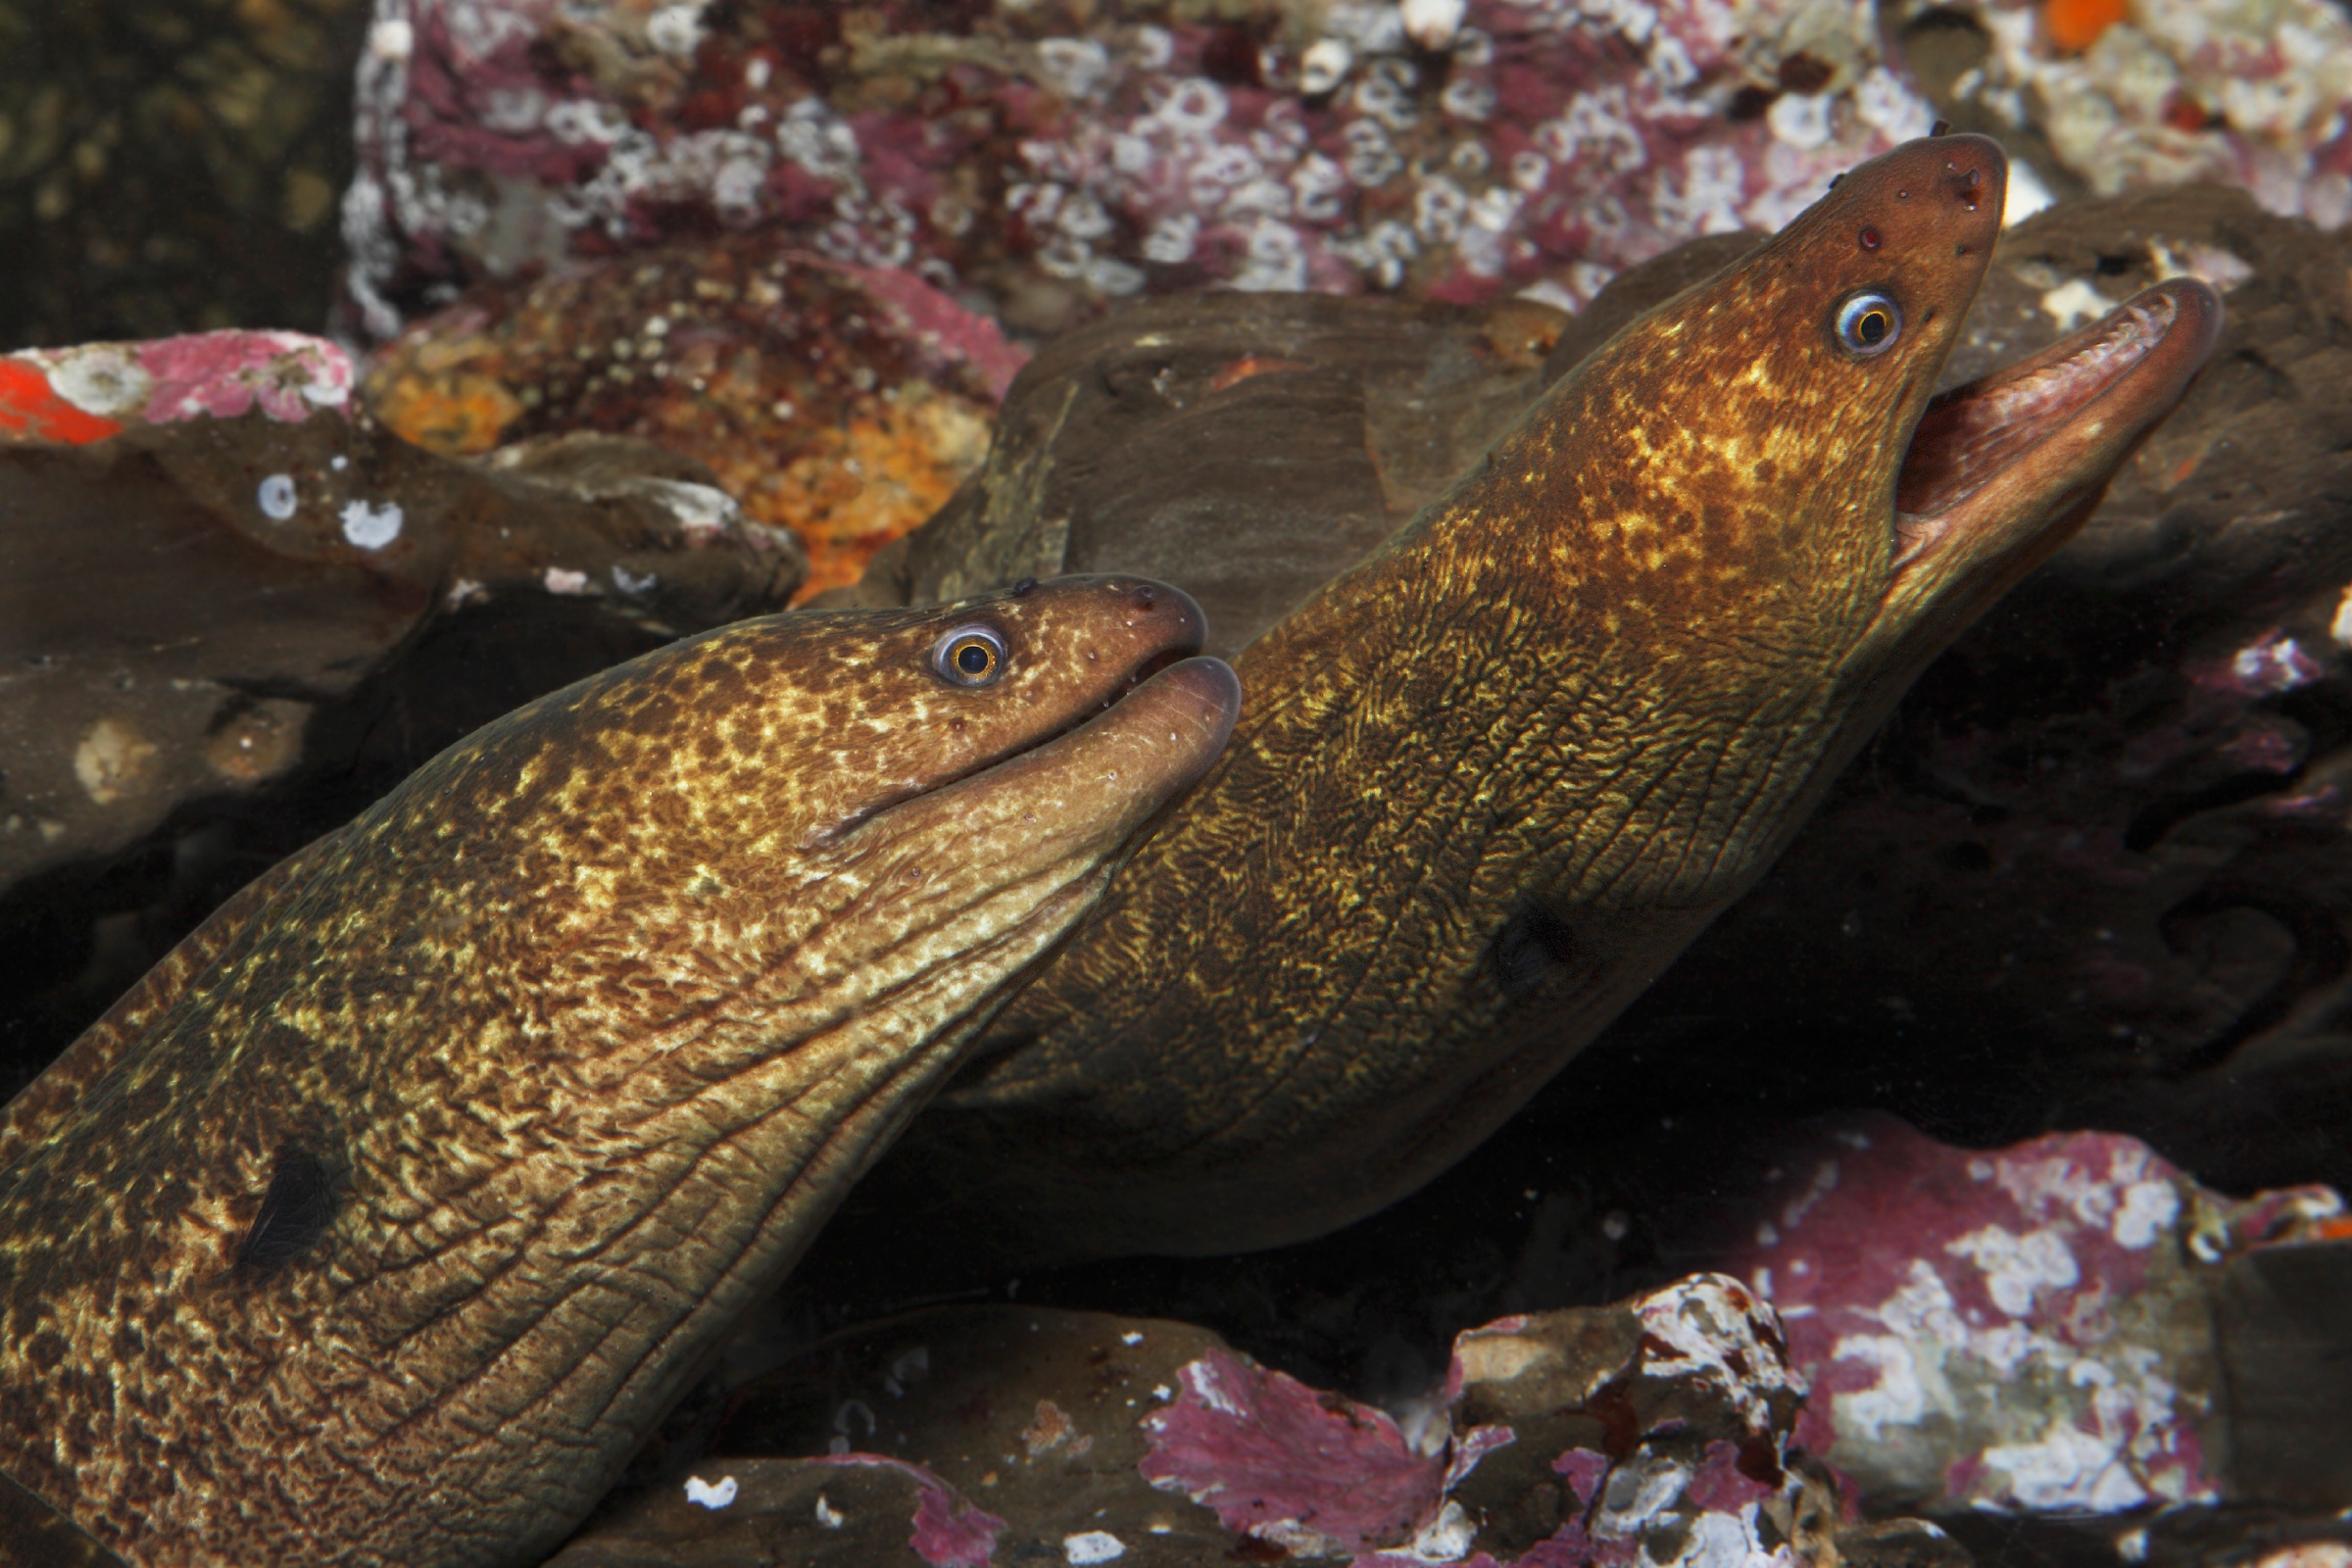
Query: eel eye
[(969, 656), (1869, 322)]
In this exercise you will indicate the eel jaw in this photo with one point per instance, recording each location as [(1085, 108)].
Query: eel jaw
[(1996, 465)]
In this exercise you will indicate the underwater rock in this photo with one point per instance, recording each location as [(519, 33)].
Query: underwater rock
[(853, 1512), (2065, 1326), (842, 402), (2129, 97), (1653, 1431), (1656, 1426), (1052, 160), (215, 580), (163, 168), (1332, 420)]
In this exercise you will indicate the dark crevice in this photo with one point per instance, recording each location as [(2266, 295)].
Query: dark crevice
[(2322, 955)]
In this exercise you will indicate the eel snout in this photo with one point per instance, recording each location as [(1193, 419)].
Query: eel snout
[(1071, 800), (1996, 460)]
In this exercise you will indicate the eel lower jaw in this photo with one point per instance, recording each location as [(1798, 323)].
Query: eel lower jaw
[(1994, 463)]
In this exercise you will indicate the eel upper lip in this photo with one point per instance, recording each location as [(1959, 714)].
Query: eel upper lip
[(1176, 651), (1982, 448)]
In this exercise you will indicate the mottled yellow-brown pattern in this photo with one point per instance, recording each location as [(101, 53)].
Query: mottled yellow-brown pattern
[(1491, 781), (587, 1026)]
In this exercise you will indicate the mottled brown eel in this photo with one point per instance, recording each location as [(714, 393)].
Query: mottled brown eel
[(379, 1222), (1494, 778)]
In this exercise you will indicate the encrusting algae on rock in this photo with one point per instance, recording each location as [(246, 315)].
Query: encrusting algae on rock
[(842, 402)]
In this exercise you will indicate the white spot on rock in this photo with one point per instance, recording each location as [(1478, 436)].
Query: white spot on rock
[(676, 30), (2148, 1211), (563, 580), (1092, 1547), (2026, 196), (2341, 628), (2074, 302), (278, 497), (2223, 269), (1432, 23), (112, 760), (1324, 66), (392, 40), (104, 381), (699, 509), (1801, 119), (1447, 1537), (2016, 1266), (1897, 1400), (827, 1516), (713, 1497), (371, 527), (628, 582), (2068, 1469)]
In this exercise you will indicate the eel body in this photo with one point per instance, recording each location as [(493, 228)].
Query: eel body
[(1495, 776), (382, 1219)]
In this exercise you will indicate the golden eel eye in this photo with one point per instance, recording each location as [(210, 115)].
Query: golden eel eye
[(969, 656), (1869, 322)]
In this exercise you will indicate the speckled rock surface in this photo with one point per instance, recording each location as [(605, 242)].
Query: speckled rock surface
[(1653, 1431), (1054, 158), (841, 403), (169, 166), (228, 608), (1331, 420), (2042, 1329)]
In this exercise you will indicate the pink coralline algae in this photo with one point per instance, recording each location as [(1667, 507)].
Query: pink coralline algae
[(2018, 1330), (1665, 1420), (948, 1530), (220, 375), (1660, 1426), (1051, 162), (92, 390), (1280, 1462)]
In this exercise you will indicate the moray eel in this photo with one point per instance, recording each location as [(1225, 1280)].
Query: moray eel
[(1496, 775), (382, 1219)]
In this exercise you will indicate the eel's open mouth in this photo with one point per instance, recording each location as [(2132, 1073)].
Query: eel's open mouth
[(2031, 432)]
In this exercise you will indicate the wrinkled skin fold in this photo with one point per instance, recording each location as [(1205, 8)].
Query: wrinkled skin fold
[(379, 1223), (1495, 776)]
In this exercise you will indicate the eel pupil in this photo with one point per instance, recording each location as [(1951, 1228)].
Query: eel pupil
[(294, 1210)]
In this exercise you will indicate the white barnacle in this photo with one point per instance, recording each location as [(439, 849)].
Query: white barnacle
[(1172, 239), (371, 527), (1323, 67), (1196, 105), (1432, 23), (276, 497), (1073, 67), (1090, 1546), (676, 30), (1801, 119), (699, 1491)]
